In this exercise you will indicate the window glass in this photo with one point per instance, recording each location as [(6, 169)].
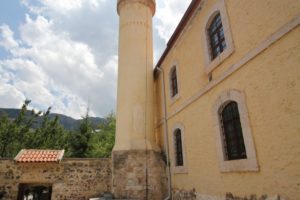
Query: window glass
[(173, 82), (216, 36), (232, 130), (178, 148)]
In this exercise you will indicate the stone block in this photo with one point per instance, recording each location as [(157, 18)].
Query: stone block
[(138, 174)]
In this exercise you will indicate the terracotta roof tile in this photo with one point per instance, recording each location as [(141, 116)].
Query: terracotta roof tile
[(35, 155)]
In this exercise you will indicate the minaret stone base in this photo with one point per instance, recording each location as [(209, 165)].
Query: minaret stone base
[(139, 174)]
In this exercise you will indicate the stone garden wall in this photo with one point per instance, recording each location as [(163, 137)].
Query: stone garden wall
[(71, 179)]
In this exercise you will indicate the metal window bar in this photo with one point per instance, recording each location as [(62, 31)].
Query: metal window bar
[(174, 85), (234, 144), (216, 36), (178, 148)]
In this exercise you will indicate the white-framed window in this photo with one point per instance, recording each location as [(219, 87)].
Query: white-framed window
[(233, 133), (217, 39), (178, 161), (178, 150), (174, 82), (215, 33)]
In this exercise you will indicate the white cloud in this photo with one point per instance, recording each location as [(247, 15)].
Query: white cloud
[(66, 56), (7, 37), (167, 17), (27, 79), (54, 70), (21, 79), (169, 14), (10, 96), (63, 7)]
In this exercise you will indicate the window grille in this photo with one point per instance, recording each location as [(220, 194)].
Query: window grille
[(174, 85), (178, 148), (216, 37), (234, 145)]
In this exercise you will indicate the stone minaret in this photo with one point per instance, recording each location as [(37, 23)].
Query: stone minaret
[(137, 167)]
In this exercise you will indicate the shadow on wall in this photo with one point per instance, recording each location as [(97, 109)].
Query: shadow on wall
[(2, 193)]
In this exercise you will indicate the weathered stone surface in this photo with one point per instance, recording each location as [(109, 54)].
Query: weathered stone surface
[(72, 179), (230, 196), (182, 194), (139, 174)]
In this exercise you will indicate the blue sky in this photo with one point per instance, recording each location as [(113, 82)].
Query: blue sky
[(12, 14), (63, 53)]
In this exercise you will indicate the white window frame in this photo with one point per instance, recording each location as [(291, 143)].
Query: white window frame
[(250, 163), (178, 169), (211, 64)]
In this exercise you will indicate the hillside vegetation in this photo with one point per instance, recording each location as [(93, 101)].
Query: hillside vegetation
[(24, 129), (67, 122)]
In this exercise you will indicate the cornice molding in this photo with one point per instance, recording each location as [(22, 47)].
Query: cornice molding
[(150, 3)]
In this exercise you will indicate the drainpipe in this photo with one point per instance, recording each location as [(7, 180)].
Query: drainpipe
[(166, 135)]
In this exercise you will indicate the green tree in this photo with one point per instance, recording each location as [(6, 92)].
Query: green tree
[(49, 135), (38, 130), (80, 142), (16, 134), (14, 131), (104, 139)]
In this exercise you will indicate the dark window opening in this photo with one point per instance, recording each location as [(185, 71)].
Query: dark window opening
[(216, 37), (174, 85), (34, 192), (234, 145), (210, 77), (178, 148)]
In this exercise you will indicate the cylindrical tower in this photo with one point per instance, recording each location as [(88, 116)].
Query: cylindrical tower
[(138, 170), (135, 76)]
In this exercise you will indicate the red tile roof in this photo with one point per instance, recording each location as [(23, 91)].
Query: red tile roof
[(39, 156)]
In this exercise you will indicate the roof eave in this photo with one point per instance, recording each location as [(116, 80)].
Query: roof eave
[(183, 22)]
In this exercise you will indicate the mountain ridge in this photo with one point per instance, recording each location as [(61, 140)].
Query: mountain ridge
[(67, 122)]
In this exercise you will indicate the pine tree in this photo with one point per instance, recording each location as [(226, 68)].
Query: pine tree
[(80, 142), (13, 131), (104, 140)]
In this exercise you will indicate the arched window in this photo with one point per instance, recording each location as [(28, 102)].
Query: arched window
[(234, 145), (173, 82), (178, 148), (216, 37)]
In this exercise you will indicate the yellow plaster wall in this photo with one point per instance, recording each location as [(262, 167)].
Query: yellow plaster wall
[(271, 84), (260, 20), (252, 22)]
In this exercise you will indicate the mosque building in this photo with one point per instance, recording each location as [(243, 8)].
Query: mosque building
[(217, 117), (219, 112)]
